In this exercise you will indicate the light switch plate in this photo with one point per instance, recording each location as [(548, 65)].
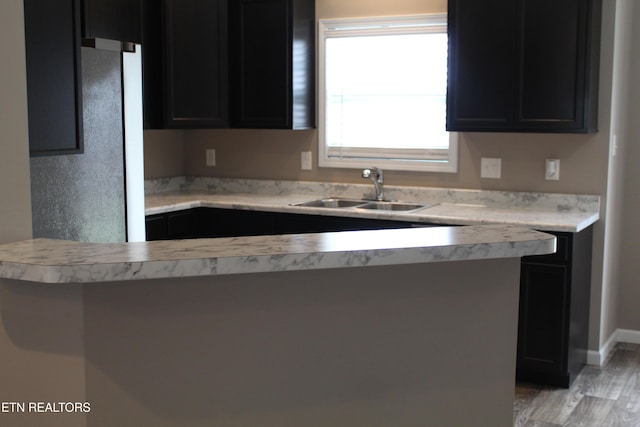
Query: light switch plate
[(490, 168), (210, 156), (306, 160)]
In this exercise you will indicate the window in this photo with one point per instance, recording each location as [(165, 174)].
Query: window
[(382, 94)]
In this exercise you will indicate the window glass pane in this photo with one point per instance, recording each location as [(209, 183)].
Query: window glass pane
[(386, 91), (383, 83)]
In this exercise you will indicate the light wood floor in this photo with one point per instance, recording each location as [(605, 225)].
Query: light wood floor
[(607, 396)]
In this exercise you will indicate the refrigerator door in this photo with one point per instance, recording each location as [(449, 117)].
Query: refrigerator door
[(82, 196)]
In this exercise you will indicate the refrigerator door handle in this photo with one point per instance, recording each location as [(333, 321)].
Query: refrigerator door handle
[(111, 45), (133, 144)]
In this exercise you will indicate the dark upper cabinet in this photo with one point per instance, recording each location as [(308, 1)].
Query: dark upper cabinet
[(52, 43), (112, 19), (195, 58), (184, 64), (153, 64), (219, 63), (523, 65), (272, 67)]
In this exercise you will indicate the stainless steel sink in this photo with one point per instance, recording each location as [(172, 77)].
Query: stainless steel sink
[(339, 203), (392, 206), (332, 202)]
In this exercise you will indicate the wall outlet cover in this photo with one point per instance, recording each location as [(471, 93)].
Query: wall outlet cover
[(490, 168), (552, 170)]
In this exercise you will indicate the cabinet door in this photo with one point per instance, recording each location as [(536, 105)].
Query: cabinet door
[(112, 19), (272, 42), (212, 222), (153, 87), (235, 222), (523, 66), (195, 54), (54, 83), (543, 323), (184, 224), (482, 58), (554, 65), (261, 67), (287, 223), (156, 227)]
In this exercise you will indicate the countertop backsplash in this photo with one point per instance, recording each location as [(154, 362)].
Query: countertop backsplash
[(548, 201)]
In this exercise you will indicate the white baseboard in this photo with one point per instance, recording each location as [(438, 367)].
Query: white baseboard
[(628, 336), (598, 358)]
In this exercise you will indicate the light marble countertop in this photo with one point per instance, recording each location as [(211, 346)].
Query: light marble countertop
[(59, 261), (540, 211), (500, 226)]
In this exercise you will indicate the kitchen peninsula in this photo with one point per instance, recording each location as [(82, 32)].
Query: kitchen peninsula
[(377, 328)]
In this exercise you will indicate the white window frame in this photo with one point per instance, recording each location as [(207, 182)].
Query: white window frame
[(433, 160)]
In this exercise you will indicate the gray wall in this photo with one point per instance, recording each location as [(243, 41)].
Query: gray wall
[(339, 347), (42, 351), (620, 121), (629, 316), (15, 205), (163, 153), (28, 373)]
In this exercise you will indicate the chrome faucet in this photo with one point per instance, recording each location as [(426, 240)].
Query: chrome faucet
[(375, 175)]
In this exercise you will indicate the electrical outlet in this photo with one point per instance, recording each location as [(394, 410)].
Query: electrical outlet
[(490, 168), (210, 156), (305, 161), (552, 170)]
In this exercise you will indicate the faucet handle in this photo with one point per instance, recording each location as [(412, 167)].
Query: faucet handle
[(369, 173)]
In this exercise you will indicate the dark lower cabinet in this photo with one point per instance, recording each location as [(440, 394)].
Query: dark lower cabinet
[(54, 81), (544, 295), (553, 319), (156, 227), (232, 222), (190, 224), (297, 223), (210, 222)]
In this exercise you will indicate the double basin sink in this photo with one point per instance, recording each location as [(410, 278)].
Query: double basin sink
[(340, 203)]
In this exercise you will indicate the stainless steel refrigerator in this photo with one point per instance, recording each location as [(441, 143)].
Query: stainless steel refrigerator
[(98, 196)]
